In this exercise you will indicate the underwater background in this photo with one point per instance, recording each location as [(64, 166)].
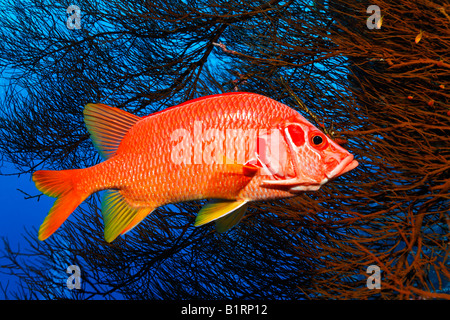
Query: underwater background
[(373, 75)]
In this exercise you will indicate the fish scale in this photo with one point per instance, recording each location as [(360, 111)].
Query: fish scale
[(232, 148), (158, 164)]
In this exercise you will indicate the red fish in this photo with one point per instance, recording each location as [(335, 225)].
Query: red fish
[(231, 148)]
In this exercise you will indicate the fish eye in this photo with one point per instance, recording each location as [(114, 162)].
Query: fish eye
[(318, 140)]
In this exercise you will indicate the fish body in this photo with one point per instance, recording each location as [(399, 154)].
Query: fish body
[(232, 148)]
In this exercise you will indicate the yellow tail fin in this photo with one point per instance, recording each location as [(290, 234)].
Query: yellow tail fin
[(60, 185)]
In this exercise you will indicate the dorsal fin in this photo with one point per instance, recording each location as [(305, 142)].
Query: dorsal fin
[(107, 126)]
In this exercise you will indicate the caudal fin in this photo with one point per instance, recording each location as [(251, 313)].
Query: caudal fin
[(60, 185)]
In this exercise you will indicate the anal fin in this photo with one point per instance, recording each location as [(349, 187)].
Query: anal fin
[(119, 217), (217, 209), (139, 216)]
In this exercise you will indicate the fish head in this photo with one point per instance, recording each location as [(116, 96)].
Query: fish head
[(312, 158)]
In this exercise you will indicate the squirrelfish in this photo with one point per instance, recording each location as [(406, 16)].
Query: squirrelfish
[(230, 148)]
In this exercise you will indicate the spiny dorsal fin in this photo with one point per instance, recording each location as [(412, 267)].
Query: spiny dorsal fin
[(216, 209), (119, 217), (107, 126)]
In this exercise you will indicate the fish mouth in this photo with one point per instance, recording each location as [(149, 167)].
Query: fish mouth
[(295, 185), (343, 167)]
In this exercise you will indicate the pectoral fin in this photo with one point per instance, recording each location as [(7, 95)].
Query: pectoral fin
[(217, 209), (248, 169)]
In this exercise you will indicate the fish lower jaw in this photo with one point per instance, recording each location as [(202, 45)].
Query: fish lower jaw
[(295, 185), (308, 187), (344, 166), (311, 187)]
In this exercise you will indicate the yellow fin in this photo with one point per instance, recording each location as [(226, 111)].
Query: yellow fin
[(216, 209), (140, 215), (230, 220), (119, 217), (107, 126)]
